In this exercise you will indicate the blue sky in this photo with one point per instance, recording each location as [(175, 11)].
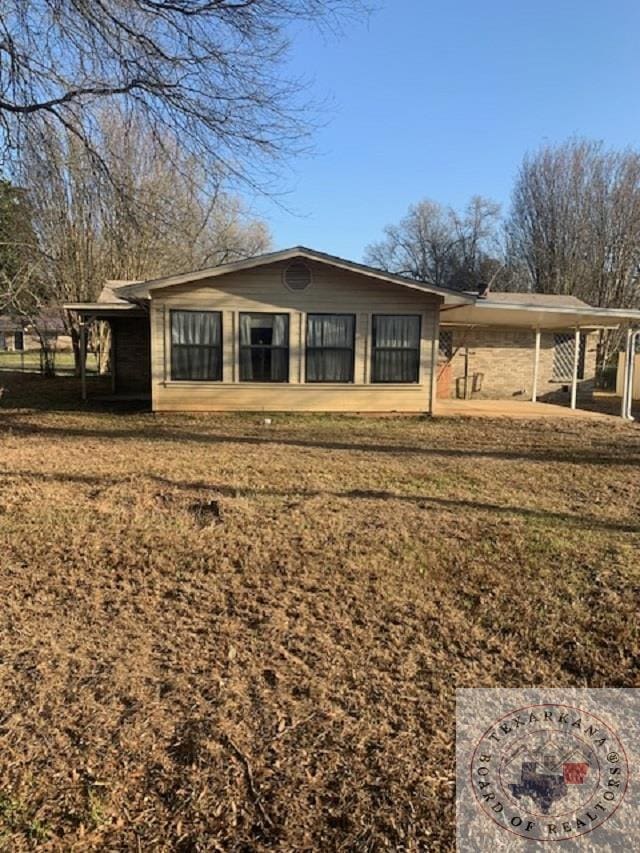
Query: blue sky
[(442, 99)]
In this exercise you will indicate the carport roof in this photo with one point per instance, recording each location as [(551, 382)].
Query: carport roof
[(533, 315), (105, 310)]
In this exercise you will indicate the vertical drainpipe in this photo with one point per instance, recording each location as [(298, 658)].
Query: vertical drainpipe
[(536, 367), (576, 362)]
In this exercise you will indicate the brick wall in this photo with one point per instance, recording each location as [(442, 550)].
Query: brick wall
[(501, 365)]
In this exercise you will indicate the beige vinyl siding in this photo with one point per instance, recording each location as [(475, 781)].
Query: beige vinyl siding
[(262, 289)]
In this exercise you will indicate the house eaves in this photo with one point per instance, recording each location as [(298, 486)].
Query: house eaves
[(143, 290)]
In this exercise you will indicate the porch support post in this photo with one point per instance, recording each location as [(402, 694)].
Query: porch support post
[(536, 367), (434, 366), (576, 362), (630, 365), (626, 373), (83, 359), (112, 356)]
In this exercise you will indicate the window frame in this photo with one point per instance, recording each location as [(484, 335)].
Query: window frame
[(375, 349), (219, 346), (308, 348), (250, 347)]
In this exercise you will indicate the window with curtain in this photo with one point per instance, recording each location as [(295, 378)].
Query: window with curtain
[(395, 351), (264, 347), (330, 347), (196, 345)]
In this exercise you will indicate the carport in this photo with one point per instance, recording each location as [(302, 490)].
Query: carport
[(130, 346), (539, 319)]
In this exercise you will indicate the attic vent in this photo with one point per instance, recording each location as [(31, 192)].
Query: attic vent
[(297, 276)]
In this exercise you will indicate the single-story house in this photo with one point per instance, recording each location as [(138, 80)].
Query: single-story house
[(300, 330)]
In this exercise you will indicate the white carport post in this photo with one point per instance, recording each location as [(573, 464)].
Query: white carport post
[(536, 368), (576, 362), (626, 374), (633, 335)]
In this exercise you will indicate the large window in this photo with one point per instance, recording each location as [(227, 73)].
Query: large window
[(330, 347), (264, 347), (395, 355), (196, 345)]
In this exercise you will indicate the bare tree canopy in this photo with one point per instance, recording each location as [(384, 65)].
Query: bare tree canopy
[(18, 255), (207, 70), (146, 216), (574, 225), (439, 245)]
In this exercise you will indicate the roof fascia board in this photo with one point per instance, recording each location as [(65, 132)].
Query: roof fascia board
[(588, 311)]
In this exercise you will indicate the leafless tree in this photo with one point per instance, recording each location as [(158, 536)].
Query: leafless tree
[(440, 245), (574, 226), (142, 217), (208, 71), (19, 265)]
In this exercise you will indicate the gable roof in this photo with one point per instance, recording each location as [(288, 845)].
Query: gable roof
[(108, 293), (142, 290)]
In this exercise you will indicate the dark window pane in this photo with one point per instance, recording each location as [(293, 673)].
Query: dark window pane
[(329, 365), (396, 331), (330, 347), (264, 347), (196, 345), (396, 348), (395, 366)]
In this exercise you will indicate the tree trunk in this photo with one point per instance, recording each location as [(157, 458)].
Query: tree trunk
[(75, 343)]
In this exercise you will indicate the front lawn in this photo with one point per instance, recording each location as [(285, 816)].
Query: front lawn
[(221, 635)]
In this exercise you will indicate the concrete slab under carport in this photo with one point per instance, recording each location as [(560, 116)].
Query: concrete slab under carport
[(517, 409)]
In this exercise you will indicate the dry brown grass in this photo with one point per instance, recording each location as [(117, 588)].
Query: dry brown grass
[(222, 636)]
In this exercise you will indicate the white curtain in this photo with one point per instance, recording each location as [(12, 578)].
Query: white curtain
[(330, 340), (396, 351), (196, 345)]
